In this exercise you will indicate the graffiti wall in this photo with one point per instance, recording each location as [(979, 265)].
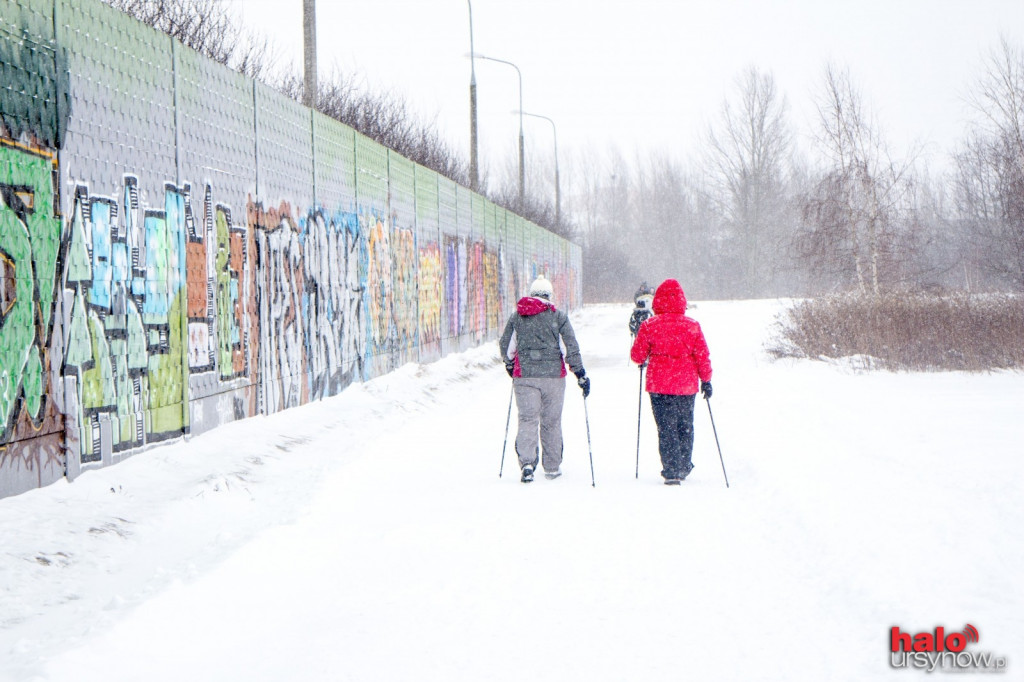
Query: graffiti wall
[(181, 247)]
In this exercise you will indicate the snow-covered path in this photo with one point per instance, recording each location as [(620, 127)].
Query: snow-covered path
[(369, 537)]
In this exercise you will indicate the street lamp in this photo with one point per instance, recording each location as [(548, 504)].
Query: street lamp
[(522, 172), (474, 180), (558, 193)]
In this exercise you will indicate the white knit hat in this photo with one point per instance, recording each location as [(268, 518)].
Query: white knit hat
[(541, 287)]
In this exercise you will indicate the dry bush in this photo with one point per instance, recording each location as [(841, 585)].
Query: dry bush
[(208, 28), (910, 332), (385, 117)]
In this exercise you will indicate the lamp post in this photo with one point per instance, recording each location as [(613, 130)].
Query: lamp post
[(522, 172), (558, 192), (474, 174)]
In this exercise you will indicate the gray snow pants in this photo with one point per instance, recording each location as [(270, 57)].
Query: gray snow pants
[(539, 402)]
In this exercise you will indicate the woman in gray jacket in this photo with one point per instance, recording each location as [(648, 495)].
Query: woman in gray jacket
[(531, 347)]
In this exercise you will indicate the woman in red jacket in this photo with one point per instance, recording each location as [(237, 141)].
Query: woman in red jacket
[(678, 362)]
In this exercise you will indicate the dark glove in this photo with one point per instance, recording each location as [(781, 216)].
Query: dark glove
[(705, 389), (583, 381), (510, 367)]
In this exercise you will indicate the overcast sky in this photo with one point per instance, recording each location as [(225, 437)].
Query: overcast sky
[(649, 74)]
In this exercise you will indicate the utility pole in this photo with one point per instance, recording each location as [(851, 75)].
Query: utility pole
[(309, 51), (474, 179)]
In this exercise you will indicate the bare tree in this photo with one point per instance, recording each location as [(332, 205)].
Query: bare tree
[(383, 117), (999, 96), (854, 209), (989, 176), (582, 191), (206, 27), (669, 239), (597, 194), (538, 203), (748, 149)]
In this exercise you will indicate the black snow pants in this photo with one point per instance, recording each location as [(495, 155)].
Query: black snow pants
[(674, 416)]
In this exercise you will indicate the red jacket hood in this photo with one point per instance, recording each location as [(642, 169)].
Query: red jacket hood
[(669, 298), (528, 305)]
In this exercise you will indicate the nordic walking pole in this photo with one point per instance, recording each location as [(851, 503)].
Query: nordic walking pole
[(508, 420), (639, 403), (589, 449), (708, 400)]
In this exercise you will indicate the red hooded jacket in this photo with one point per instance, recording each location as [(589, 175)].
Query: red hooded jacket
[(674, 344)]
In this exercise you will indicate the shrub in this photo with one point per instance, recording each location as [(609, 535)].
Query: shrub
[(909, 332)]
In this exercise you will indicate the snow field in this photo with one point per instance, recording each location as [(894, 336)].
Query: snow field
[(369, 536)]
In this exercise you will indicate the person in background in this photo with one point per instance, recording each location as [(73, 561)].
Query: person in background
[(531, 347), (678, 362), (642, 300)]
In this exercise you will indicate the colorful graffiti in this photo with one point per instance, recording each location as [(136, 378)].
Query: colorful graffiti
[(380, 295), (392, 297), (508, 276), (332, 301), (28, 251), (431, 296), (126, 355), (476, 295), (29, 246), (454, 285), (222, 314), (283, 369), (309, 293), (492, 292), (406, 297), (215, 262)]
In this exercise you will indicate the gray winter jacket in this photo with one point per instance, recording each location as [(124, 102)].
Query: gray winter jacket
[(531, 340)]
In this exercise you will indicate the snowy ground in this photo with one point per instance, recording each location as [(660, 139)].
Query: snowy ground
[(369, 536)]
